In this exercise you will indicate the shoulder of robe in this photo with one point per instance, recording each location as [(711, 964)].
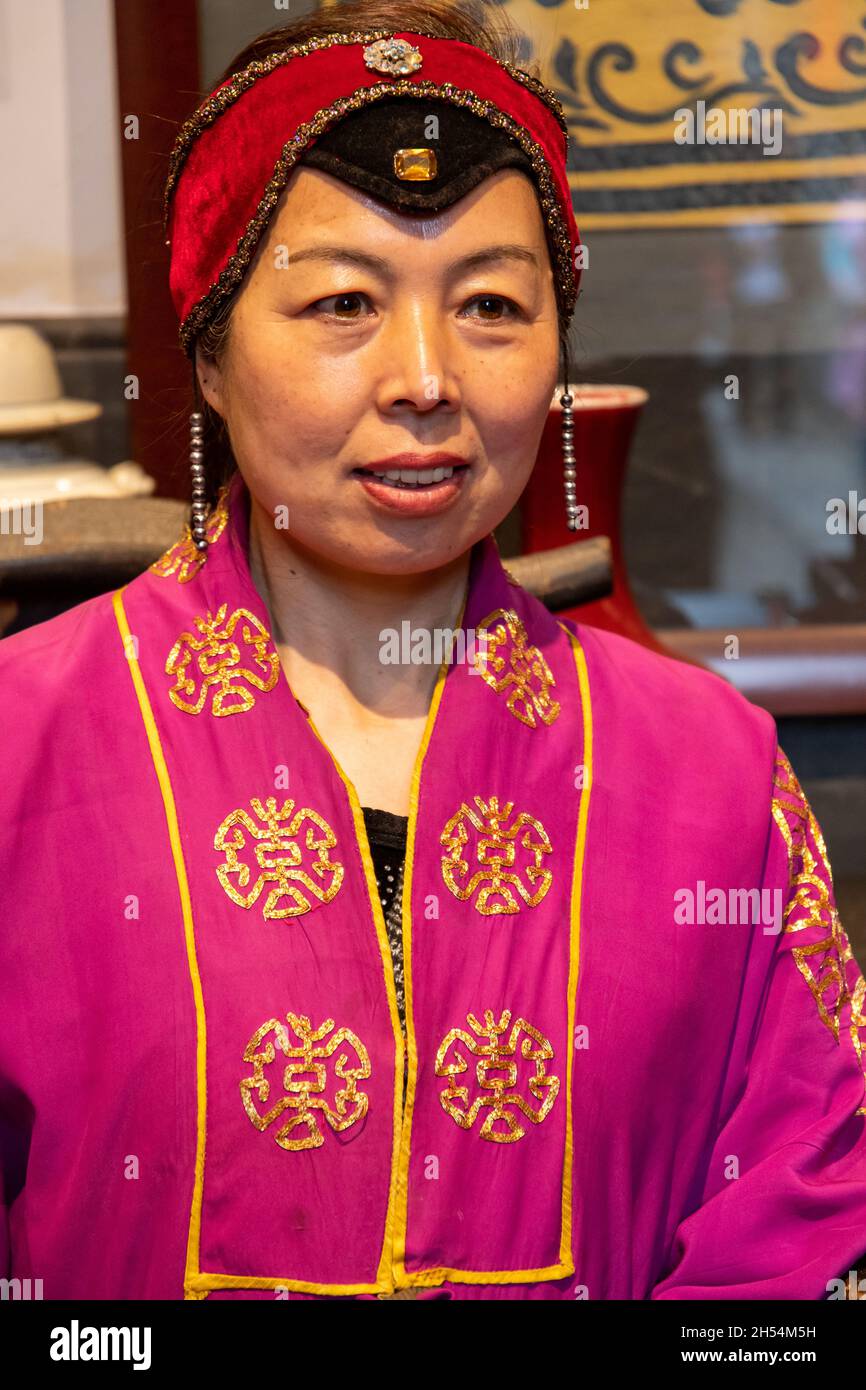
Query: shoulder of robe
[(56, 668), (677, 715)]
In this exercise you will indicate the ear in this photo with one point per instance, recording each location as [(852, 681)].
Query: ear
[(210, 380)]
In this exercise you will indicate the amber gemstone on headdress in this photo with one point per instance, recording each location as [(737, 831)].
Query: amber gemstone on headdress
[(393, 55), (415, 164), (354, 133)]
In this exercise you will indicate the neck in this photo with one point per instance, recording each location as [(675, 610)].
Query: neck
[(328, 620)]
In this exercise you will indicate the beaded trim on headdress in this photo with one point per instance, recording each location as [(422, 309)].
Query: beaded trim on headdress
[(235, 87), (234, 270)]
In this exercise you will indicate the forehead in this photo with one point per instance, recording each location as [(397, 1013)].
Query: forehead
[(315, 206)]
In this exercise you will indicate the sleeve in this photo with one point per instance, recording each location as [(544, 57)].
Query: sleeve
[(14, 1145), (5, 1240), (782, 1213)]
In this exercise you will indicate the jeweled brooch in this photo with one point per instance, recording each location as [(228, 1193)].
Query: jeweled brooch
[(393, 55)]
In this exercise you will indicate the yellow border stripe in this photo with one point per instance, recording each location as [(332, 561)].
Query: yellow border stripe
[(383, 1273), (846, 210), (401, 1279), (197, 1285), (774, 169), (427, 1277), (156, 753), (565, 1253), (391, 1271)]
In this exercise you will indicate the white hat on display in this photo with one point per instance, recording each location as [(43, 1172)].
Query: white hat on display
[(31, 392)]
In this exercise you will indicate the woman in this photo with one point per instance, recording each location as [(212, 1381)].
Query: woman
[(235, 1064)]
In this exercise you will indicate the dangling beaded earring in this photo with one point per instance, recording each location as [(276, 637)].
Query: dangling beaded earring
[(198, 510), (569, 470)]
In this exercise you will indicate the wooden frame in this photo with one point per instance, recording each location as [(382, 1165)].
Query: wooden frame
[(158, 79)]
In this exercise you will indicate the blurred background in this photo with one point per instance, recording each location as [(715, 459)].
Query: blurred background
[(726, 280)]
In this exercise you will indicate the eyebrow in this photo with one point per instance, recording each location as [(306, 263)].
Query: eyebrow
[(346, 255)]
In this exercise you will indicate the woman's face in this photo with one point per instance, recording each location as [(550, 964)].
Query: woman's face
[(360, 334)]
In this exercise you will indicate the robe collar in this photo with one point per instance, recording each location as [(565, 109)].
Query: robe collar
[(308, 1173)]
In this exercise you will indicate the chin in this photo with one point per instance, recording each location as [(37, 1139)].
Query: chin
[(414, 553)]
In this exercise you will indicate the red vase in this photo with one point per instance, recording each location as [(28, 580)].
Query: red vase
[(604, 422)]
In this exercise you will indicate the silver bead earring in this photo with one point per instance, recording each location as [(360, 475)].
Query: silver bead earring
[(569, 469), (198, 510)]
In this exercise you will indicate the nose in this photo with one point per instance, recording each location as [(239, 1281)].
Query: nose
[(417, 363)]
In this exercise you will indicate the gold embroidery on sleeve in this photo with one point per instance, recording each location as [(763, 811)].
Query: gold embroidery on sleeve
[(182, 558), (826, 963), (496, 1072), (279, 849), (485, 832), (216, 663), (510, 665), (305, 1080)]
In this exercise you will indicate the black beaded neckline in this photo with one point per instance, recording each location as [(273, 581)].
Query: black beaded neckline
[(385, 826), (387, 833)]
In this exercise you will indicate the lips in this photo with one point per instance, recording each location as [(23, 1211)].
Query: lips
[(413, 471), (413, 485)]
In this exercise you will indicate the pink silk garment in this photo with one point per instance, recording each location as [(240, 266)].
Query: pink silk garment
[(201, 1059)]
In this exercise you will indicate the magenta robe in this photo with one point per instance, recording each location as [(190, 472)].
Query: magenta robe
[(201, 1060)]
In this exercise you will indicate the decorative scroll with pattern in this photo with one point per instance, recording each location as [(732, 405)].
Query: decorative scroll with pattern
[(623, 68)]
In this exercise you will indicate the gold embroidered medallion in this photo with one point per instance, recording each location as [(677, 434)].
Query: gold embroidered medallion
[(183, 559), (512, 667), (280, 839), (484, 837), (497, 1073), (305, 1080), (222, 663)]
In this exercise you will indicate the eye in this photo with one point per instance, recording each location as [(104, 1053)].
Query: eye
[(350, 297), (495, 300)]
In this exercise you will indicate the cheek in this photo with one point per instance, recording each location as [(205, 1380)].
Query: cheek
[(286, 410), (514, 412)]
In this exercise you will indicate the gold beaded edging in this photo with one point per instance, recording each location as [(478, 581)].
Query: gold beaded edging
[(233, 272), (543, 92), (228, 94), (235, 87)]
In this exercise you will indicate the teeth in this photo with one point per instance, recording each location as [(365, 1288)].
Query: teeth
[(413, 477)]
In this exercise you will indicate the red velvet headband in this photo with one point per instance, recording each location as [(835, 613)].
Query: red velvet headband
[(233, 157)]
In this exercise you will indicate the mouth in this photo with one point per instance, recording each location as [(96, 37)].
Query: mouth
[(412, 485), (415, 479)]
